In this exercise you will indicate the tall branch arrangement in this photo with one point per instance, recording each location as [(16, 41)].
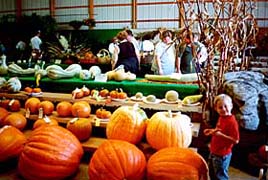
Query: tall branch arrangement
[(227, 29)]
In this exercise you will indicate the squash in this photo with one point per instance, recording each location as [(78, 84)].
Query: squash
[(166, 129), (12, 142), (51, 152), (80, 127), (127, 123), (176, 164), (85, 74), (117, 160), (172, 95), (15, 119)]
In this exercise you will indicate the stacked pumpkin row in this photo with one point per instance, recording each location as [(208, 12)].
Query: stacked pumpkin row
[(54, 152)]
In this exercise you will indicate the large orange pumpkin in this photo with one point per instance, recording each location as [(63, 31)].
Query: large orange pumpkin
[(47, 106), (32, 104), (64, 109), (117, 160), (12, 142), (80, 127), (81, 109), (165, 129), (44, 121), (51, 152), (127, 123), (176, 164), (3, 114), (16, 119)]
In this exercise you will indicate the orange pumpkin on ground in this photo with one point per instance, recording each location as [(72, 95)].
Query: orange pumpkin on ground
[(44, 121), (12, 142), (166, 129), (64, 109), (47, 106), (176, 164), (51, 152), (81, 109), (32, 104), (80, 127), (16, 119), (127, 123), (117, 160)]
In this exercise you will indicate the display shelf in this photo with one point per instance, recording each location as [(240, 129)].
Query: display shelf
[(57, 97)]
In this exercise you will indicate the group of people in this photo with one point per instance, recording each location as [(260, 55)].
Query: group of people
[(169, 56)]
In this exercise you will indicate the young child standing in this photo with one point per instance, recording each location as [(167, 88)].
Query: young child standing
[(224, 136)]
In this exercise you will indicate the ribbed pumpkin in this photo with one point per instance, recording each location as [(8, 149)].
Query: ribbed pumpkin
[(127, 123), (44, 121), (47, 106), (12, 142), (176, 164), (166, 129), (117, 160), (51, 152), (80, 127), (15, 119)]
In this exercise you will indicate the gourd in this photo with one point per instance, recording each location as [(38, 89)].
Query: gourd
[(85, 74), (56, 72), (171, 95), (13, 84), (127, 123), (192, 99), (12, 142), (177, 164), (166, 129), (51, 152), (80, 127), (94, 71), (117, 160), (3, 66), (16, 69), (3, 82)]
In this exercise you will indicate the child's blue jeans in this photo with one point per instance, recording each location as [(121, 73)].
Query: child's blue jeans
[(218, 166)]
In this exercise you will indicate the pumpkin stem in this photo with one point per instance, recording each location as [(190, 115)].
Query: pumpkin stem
[(169, 114), (73, 120), (47, 119)]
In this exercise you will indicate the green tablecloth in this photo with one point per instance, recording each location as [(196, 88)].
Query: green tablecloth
[(131, 87)]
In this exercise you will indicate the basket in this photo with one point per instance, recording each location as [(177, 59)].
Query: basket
[(104, 57)]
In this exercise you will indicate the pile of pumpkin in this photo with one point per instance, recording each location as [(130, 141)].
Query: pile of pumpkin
[(55, 152)]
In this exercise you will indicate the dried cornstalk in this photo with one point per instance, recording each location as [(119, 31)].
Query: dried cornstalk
[(228, 32)]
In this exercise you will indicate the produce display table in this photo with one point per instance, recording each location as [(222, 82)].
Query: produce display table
[(131, 87)]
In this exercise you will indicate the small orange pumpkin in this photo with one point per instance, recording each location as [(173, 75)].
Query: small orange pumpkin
[(47, 106), (117, 160), (16, 119), (45, 121), (81, 109), (175, 163), (127, 123), (12, 142), (64, 109), (80, 127), (51, 152), (32, 104)]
